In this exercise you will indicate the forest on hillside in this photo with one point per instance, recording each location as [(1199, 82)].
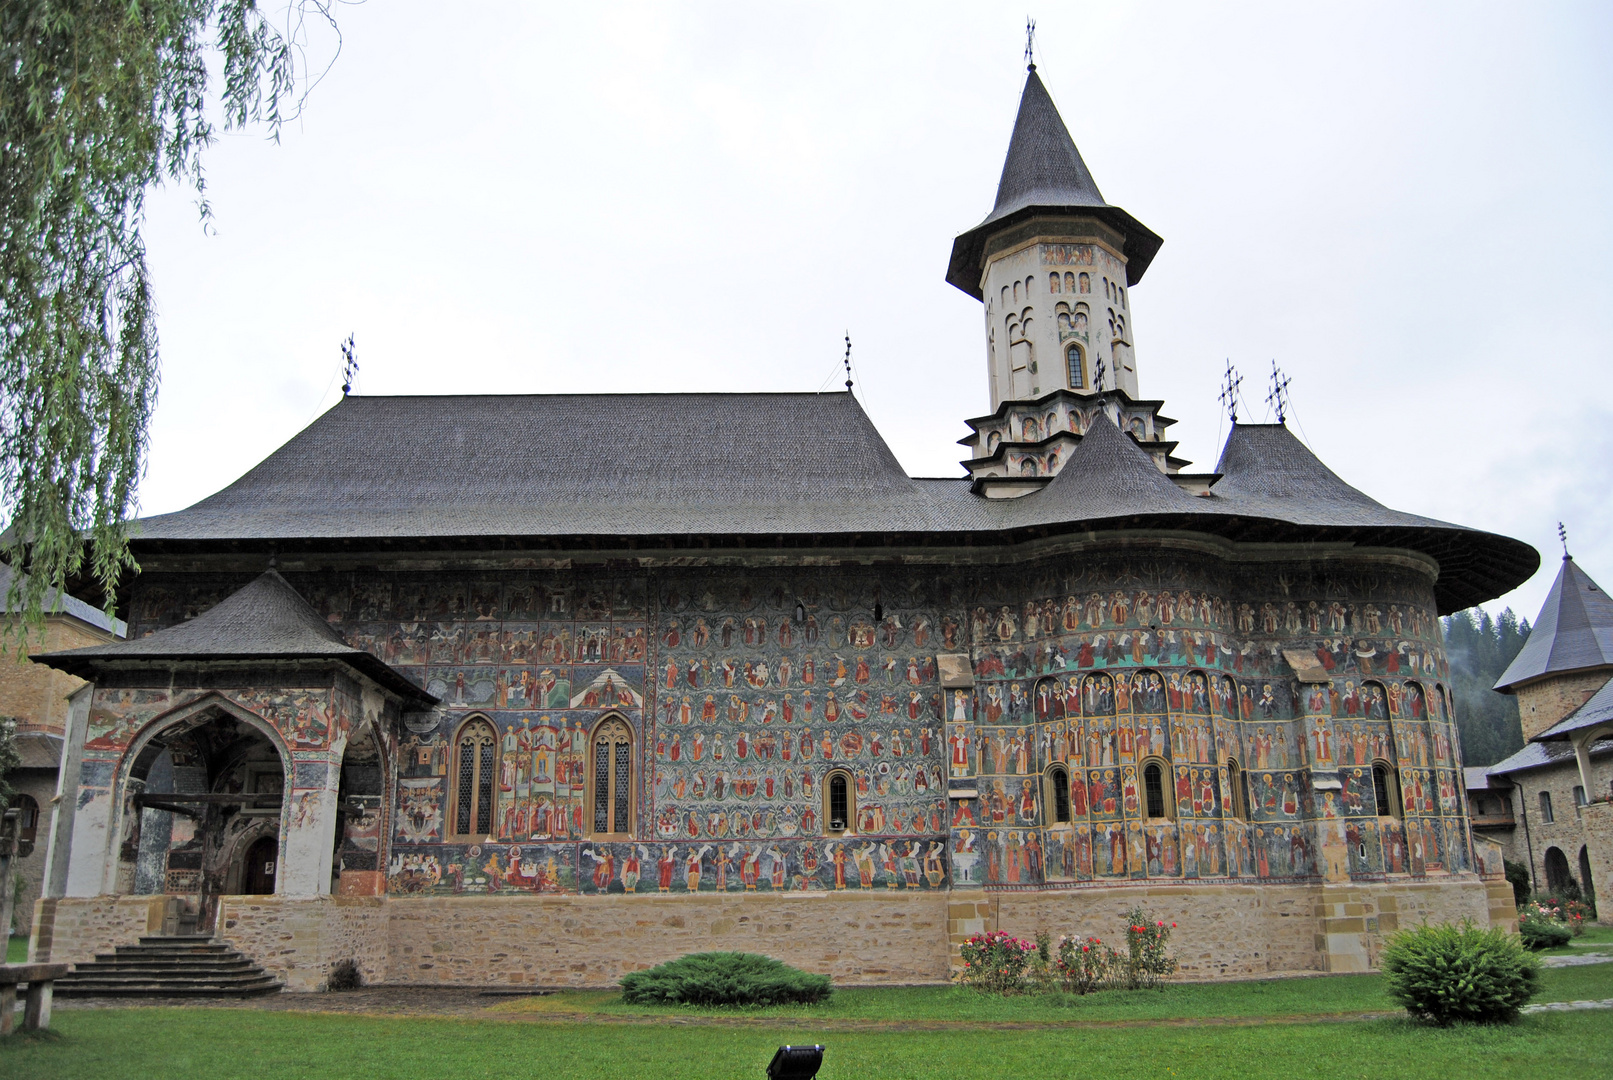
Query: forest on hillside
[(1479, 649)]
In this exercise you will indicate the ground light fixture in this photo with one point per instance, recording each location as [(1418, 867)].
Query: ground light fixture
[(795, 1063)]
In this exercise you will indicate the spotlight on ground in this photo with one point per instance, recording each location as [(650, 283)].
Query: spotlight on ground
[(795, 1063)]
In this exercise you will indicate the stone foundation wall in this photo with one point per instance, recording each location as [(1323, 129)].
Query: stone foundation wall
[(300, 940), (899, 937), (857, 939), (73, 931)]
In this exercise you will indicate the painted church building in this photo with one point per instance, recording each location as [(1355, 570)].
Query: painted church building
[(420, 693)]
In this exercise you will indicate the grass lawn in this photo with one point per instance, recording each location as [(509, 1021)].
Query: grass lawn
[(125, 1044), (869, 1034), (17, 950), (1594, 939)]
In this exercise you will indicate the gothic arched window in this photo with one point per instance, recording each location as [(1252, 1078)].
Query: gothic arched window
[(475, 767), (1384, 791), (1077, 367), (1154, 789), (839, 802), (612, 778)]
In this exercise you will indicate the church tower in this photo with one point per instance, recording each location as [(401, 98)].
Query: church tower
[(1053, 263)]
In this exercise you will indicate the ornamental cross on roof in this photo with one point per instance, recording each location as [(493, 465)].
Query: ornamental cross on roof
[(349, 365), (1228, 397), (1102, 371), (1562, 534), (848, 360), (1278, 398), (1030, 44)]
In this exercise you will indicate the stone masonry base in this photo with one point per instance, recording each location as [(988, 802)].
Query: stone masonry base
[(862, 938)]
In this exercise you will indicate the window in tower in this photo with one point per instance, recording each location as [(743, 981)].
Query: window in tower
[(1384, 791), (1154, 790), (1054, 283), (1086, 283), (1069, 282), (1077, 367)]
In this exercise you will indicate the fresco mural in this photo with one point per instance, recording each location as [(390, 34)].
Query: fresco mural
[(1116, 719)]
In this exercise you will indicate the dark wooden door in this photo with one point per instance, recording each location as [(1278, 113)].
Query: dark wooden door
[(261, 860)]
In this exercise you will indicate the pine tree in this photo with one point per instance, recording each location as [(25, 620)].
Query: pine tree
[(1480, 649)]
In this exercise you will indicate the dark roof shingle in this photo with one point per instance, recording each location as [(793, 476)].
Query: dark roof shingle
[(1573, 631)]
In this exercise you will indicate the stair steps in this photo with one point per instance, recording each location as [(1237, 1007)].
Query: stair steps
[(183, 965)]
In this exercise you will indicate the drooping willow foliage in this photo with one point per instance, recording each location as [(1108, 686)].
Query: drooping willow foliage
[(100, 100)]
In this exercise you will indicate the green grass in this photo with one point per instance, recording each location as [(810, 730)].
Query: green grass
[(129, 1044), (16, 950), (1593, 939), (1321, 996)]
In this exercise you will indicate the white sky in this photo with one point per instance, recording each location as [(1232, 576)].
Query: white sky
[(1406, 206)]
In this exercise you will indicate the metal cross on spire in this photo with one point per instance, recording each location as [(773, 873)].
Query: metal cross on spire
[(1228, 397), (1030, 43), (1562, 534), (1101, 372), (349, 365), (1278, 398), (848, 360)]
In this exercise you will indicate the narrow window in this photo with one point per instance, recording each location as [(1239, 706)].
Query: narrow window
[(1240, 806), (1381, 792), (1069, 282), (613, 778), (1579, 796), (1154, 783), (1053, 283), (27, 818), (1077, 367), (1058, 778), (840, 806), (1545, 808), (1086, 283), (473, 808)]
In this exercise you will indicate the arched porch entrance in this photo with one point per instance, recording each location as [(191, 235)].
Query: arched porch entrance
[(202, 814)]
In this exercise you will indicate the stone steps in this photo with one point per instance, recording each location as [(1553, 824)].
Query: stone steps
[(190, 965)]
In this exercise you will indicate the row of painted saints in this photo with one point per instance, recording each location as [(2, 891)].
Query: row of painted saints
[(1186, 607)]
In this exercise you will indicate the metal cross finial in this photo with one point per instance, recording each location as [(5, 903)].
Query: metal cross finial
[(1030, 43), (1278, 398), (1562, 534), (848, 360), (349, 365), (1228, 396), (1102, 371)]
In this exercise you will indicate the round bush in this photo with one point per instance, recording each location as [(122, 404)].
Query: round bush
[(1539, 933), (724, 978), (1448, 973)]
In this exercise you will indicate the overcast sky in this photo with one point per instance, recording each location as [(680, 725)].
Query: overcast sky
[(1406, 206)]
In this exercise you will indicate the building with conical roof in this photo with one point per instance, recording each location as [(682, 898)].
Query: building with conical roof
[(1552, 801), (521, 705)]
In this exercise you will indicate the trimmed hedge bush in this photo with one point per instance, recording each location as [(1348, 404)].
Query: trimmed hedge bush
[(724, 978), (1447, 973), (1542, 933)]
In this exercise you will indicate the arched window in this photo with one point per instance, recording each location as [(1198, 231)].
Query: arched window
[(1053, 283), (475, 767), (1545, 808), (839, 802), (27, 817), (1235, 782), (1557, 874), (1077, 367), (1155, 789), (611, 779), (1069, 282), (1016, 290), (1086, 283), (1385, 791), (1058, 794)]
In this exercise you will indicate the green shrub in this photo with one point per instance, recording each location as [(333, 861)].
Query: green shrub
[(1518, 878), (724, 978), (995, 962), (1541, 925), (1447, 973), (1147, 938)]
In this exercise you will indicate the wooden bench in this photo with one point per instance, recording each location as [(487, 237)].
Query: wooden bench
[(41, 980)]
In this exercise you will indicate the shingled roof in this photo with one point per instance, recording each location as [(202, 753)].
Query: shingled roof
[(1043, 172), (1573, 632), (591, 469), (264, 620)]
